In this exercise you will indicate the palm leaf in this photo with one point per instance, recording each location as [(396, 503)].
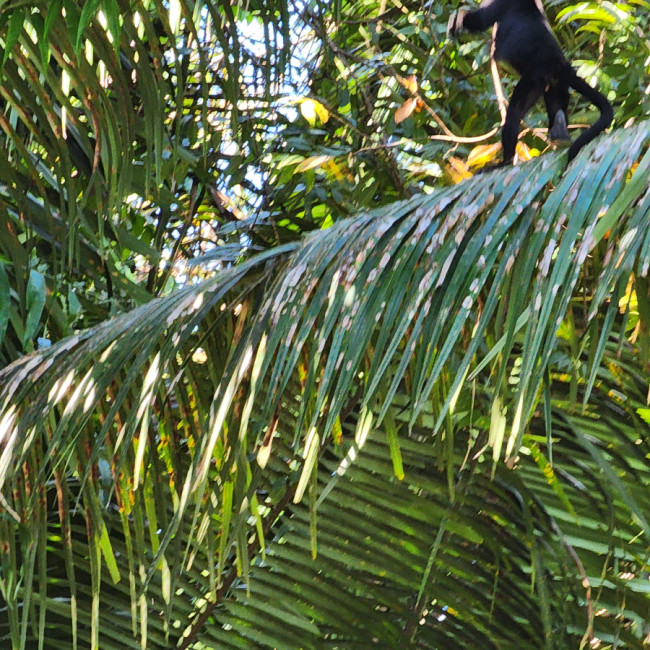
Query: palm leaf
[(399, 341), (115, 123)]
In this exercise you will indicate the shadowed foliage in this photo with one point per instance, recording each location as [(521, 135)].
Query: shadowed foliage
[(239, 407)]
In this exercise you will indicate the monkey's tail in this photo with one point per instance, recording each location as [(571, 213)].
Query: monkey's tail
[(599, 101)]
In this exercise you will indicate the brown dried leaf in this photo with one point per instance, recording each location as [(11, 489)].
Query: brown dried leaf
[(405, 110)]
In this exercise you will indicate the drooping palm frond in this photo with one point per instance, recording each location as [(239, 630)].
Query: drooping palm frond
[(443, 401), (117, 125)]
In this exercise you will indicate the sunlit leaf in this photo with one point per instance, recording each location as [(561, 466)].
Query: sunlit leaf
[(405, 110), (483, 154), (311, 163), (457, 170), (312, 109), (410, 82)]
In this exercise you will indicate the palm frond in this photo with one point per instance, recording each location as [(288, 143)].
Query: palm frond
[(225, 434), (116, 125)]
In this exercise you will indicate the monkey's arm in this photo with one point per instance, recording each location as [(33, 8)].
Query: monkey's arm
[(479, 19)]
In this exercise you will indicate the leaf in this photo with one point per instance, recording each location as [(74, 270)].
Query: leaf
[(321, 111), (405, 110), (35, 301), (112, 12), (87, 14), (5, 301), (393, 444), (524, 152), (312, 109), (385, 310), (226, 516), (13, 32), (311, 162), (547, 469), (340, 171), (497, 428), (72, 16), (457, 169), (483, 154), (588, 12), (410, 82), (311, 456), (53, 12)]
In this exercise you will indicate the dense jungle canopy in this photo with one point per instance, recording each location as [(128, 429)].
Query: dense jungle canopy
[(278, 369)]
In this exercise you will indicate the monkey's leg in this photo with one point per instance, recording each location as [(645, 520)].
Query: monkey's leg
[(556, 98), (525, 94)]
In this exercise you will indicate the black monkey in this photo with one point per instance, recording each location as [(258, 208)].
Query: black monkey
[(524, 40)]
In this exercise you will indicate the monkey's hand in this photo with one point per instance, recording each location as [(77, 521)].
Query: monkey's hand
[(455, 23)]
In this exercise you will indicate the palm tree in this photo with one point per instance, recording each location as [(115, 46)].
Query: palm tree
[(424, 425)]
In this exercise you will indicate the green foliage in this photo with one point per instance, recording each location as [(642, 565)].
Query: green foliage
[(283, 399), (293, 385), (154, 136)]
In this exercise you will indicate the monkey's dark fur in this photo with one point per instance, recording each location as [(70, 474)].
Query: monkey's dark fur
[(524, 40)]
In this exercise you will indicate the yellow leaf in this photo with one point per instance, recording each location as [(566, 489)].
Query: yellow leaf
[(321, 111), (629, 300), (497, 428), (405, 109), (339, 172), (632, 170), (311, 162), (457, 170), (483, 154), (263, 454), (524, 152), (311, 109), (308, 111), (410, 83)]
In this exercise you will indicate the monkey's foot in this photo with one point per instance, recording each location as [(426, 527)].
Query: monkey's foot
[(559, 129)]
